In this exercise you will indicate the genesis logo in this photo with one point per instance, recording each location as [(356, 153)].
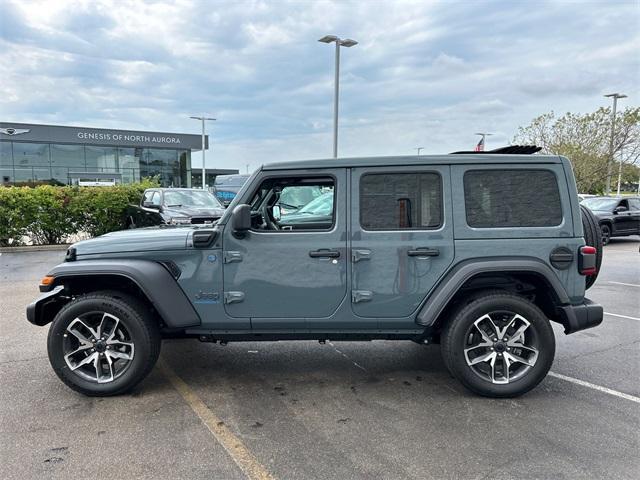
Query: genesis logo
[(14, 131)]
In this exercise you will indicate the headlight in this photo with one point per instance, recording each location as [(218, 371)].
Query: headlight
[(179, 220)]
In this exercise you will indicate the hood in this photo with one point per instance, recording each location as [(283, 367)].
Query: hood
[(185, 211), (142, 239)]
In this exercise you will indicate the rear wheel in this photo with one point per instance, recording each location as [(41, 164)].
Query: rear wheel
[(103, 343), (499, 345)]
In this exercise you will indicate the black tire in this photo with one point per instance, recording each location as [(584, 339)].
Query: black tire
[(605, 233), (460, 329), (593, 238), (134, 319)]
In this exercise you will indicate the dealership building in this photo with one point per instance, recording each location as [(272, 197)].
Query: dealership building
[(33, 153)]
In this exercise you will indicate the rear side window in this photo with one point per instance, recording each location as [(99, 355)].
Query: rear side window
[(400, 201), (512, 198)]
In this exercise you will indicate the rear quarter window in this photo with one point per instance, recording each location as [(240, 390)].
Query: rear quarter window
[(512, 198)]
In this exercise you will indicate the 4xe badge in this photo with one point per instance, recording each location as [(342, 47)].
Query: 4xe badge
[(14, 131)]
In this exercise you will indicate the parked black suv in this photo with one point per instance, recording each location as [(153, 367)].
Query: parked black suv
[(617, 216), (174, 206)]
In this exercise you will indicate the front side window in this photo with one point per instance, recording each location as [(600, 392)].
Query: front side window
[(512, 198), (401, 201), (294, 203)]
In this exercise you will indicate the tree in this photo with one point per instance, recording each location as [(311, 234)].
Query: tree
[(584, 139)]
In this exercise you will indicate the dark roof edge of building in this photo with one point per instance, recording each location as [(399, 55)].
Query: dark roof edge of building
[(48, 125)]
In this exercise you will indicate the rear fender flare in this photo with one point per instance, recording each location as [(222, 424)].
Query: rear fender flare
[(439, 298)]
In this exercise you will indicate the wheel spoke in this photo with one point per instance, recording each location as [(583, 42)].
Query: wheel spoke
[(81, 348), (110, 334), (487, 357), (110, 377), (114, 354), (72, 329), (513, 358), (86, 361), (477, 323), (518, 333)]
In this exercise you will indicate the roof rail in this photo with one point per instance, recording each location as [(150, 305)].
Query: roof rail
[(508, 150)]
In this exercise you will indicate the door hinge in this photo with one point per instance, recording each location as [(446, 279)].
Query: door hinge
[(361, 254), (230, 257), (233, 297), (358, 296)]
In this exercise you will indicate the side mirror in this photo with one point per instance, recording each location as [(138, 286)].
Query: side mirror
[(276, 212), (241, 220), (151, 205), (620, 209)]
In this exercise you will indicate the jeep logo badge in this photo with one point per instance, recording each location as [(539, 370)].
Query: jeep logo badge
[(14, 131)]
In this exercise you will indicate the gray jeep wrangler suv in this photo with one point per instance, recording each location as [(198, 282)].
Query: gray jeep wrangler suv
[(477, 252)]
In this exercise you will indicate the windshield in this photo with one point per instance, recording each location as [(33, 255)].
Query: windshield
[(323, 205), (230, 180), (600, 203), (190, 198)]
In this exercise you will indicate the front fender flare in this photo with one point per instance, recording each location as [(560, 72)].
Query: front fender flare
[(152, 278), (438, 299)]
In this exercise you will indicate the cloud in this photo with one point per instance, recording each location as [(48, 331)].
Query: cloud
[(423, 74)]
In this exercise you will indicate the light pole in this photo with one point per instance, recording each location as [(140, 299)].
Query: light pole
[(418, 149), (347, 42), (615, 97), (482, 143), (203, 119)]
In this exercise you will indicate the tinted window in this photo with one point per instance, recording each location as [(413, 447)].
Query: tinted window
[(400, 201), (512, 198)]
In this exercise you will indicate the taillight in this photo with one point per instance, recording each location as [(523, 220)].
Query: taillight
[(587, 260)]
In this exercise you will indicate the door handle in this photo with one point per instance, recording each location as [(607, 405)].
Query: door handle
[(423, 252), (324, 253)]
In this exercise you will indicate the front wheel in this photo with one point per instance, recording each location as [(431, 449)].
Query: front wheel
[(498, 345), (103, 343)]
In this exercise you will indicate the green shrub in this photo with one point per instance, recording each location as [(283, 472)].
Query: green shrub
[(47, 214), (15, 214)]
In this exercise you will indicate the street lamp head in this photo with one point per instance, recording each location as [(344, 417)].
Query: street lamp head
[(328, 39), (616, 95), (347, 42), (485, 134)]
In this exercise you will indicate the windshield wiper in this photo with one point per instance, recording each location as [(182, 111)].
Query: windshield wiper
[(177, 205)]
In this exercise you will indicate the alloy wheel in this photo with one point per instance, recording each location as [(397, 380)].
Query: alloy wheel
[(97, 347), (501, 347)]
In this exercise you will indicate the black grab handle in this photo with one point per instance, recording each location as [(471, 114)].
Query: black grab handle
[(324, 253), (424, 252)]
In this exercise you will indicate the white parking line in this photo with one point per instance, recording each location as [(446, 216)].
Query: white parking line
[(626, 284), (593, 386), (622, 316)]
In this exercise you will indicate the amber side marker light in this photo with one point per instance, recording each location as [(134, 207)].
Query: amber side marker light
[(48, 280)]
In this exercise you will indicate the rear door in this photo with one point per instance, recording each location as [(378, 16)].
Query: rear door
[(402, 239)]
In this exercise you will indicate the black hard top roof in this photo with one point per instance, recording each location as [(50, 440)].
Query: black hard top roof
[(451, 159)]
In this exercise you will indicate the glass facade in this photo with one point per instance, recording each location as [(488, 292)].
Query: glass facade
[(28, 162)]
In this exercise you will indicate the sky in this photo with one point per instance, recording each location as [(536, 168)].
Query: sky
[(424, 73)]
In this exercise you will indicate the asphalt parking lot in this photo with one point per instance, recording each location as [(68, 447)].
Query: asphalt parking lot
[(297, 410)]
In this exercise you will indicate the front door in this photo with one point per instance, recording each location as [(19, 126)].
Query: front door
[(402, 240), (292, 265)]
